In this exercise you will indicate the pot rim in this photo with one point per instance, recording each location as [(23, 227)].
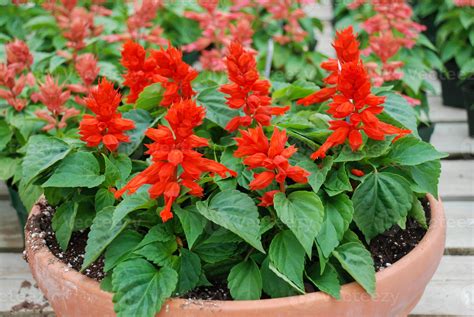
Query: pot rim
[(35, 247)]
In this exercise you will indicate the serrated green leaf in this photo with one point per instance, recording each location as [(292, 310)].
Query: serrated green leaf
[(236, 212), (139, 200), (42, 152), (189, 271), (287, 257), (140, 288), (397, 108), (412, 151), (123, 163), (160, 253), (216, 109), (273, 285), (245, 281), (150, 98), (143, 121), (327, 281), (318, 175), (426, 177), (79, 169), (8, 167), (101, 234), (158, 233), (29, 193), (380, 202), (121, 248), (337, 217), (357, 261), (103, 198), (112, 173), (5, 134), (109, 71), (192, 222), (417, 212), (63, 223), (337, 182), (303, 213)]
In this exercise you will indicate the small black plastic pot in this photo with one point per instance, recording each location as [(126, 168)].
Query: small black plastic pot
[(17, 204), (468, 94), (451, 85), (425, 131)]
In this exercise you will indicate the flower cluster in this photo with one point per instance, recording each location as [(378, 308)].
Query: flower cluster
[(15, 75), (247, 91), (161, 66), (54, 97), (219, 29), (464, 3), (175, 162), (272, 156), (352, 101), (106, 126), (139, 22)]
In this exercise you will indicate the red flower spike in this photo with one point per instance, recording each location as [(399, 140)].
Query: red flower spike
[(175, 162), (267, 198), (352, 101), (246, 91), (162, 66), (107, 125), (273, 156)]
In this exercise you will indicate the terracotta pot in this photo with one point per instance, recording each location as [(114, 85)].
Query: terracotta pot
[(399, 287)]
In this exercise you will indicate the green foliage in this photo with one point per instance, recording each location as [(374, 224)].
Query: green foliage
[(327, 281), (79, 169), (140, 288), (63, 223), (245, 281)]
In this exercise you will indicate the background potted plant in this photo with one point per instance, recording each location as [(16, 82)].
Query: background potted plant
[(221, 196)]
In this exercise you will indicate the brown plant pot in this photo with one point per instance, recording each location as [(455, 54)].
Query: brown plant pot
[(399, 287)]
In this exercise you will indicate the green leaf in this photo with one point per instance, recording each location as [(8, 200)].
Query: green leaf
[(245, 281), (150, 98), (358, 262), (123, 163), (55, 62), (380, 202), (8, 167), (140, 288), (139, 200), (216, 109), (102, 233), (79, 169), (192, 222), (303, 213), (160, 253), (236, 212), (189, 271), (337, 182), (338, 216), (371, 149), (426, 177), (42, 152), (5, 134), (109, 71), (112, 173), (318, 175), (417, 212), (103, 198), (412, 151), (121, 248), (287, 259), (40, 22), (63, 223), (327, 281), (143, 121), (158, 233), (29, 193), (273, 285), (467, 69)]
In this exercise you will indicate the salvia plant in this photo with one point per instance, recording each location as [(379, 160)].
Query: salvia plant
[(186, 182)]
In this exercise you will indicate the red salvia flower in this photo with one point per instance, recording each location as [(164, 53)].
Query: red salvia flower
[(106, 125), (87, 68), (175, 162), (247, 91), (272, 156), (352, 101), (164, 66), (18, 55), (357, 172)]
